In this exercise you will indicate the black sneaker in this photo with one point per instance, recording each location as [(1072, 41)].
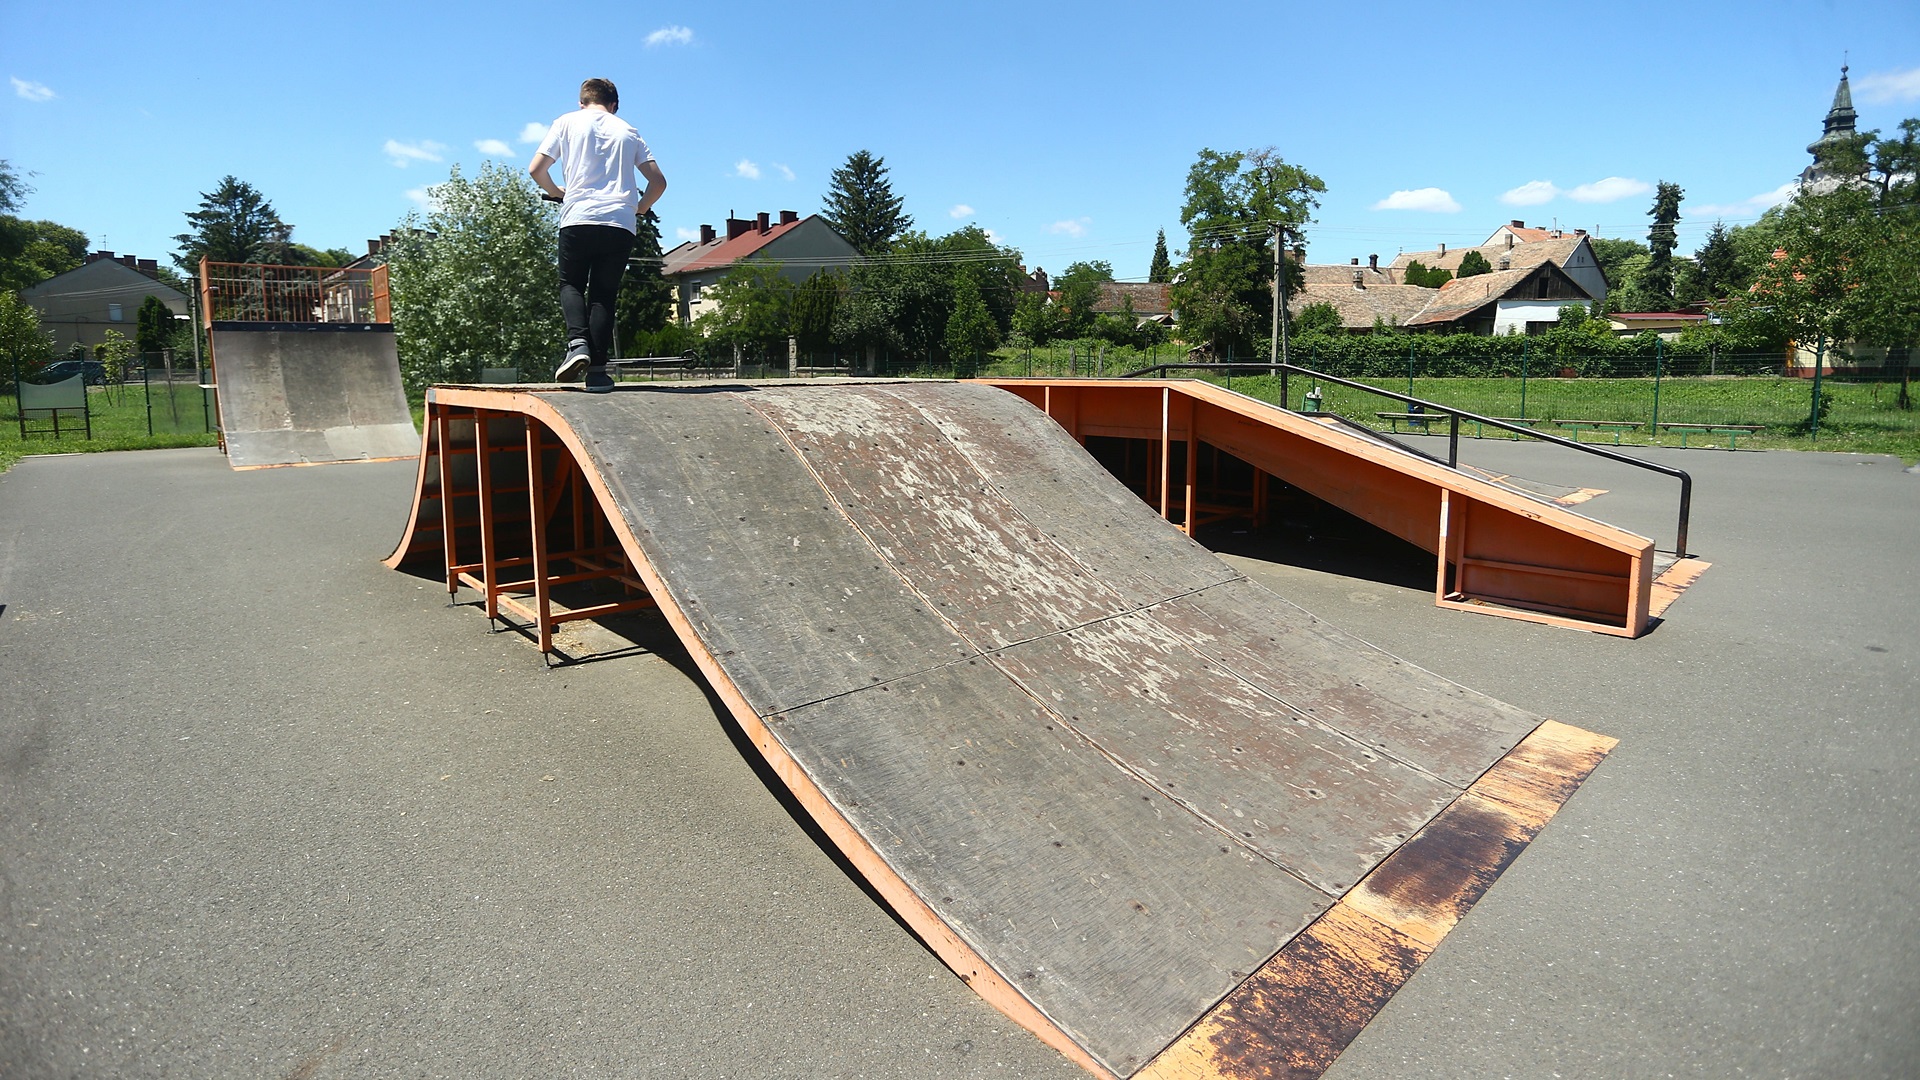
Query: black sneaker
[(576, 362), (598, 381)]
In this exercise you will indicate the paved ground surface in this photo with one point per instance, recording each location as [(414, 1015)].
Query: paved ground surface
[(270, 809)]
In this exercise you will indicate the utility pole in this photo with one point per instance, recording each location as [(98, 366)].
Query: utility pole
[(1273, 342)]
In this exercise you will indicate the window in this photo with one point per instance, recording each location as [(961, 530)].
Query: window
[(1535, 327), (693, 292), (113, 313)]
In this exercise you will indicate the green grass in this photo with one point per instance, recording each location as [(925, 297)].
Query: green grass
[(1864, 417), (119, 423)]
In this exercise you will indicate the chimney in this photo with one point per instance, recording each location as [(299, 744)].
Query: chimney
[(1373, 262), (99, 256), (1579, 232), (706, 234), (130, 261), (788, 217), (149, 267), (1506, 262), (760, 221), (1509, 241), (1353, 262), (373, 247), (1443, 249), (1517, 223), (738, 227), (1359, 276), (1556, 234)]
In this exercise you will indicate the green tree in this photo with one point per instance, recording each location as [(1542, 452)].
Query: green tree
[(1718, 262), (13, 188), (1611, 253), (1233, 201), (155, 328), (753, 306), (1079, 289), (1657, 281), (24, 346), (902, 301), (117, 354), (1473, 264), (970, 329), (645, 304), (302, 255), (1418, 273), (235, 224), (33, 251), (474, 283), (814, 304), (1160, 271), (861, 205), (1320, 318)]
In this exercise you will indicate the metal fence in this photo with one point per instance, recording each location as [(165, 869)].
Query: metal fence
[(179, 398), (252, 292)]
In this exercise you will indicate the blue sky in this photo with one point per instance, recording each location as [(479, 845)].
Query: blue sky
[(1065, 129)]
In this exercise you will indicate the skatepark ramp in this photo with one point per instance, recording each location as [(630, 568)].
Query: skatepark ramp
[(1166, 820), (305, 367)]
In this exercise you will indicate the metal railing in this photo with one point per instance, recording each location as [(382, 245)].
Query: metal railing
[(257, 292), (1454, 416)]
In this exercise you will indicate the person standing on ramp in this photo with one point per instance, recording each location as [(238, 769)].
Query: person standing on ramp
[(600, 210)]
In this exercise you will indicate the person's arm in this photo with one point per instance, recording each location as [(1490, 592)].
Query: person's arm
[(543, 179), (656, 185)]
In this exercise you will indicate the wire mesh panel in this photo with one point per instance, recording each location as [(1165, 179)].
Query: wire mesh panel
[(179, 401), (249, 292)]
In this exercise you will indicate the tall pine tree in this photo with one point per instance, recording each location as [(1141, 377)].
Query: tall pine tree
[(645, 304), (862, 207), (1719, 263), (1657, 282), (1160, 271), (235, 224)]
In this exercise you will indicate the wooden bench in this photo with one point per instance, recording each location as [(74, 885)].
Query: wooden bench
[(1415, 420), (1615, 426), (1731, 431)]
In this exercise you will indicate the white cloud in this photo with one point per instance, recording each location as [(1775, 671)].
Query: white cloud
[(785, 173), (670, 35), (1071, 227), (423, 199), (960, 210), (685, 233), (1612, 189), (31, 90), (1752, 206), (1531, 193), (404, 154), (1879, 88), (533, 133), (1432, 200), (495, 147), (746, 169), (994, 238)]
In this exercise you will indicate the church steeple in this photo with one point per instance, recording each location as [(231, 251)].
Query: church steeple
[(1839, 128)]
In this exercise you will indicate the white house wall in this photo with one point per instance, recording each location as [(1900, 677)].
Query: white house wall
[(1512, 316), (1581, 267)]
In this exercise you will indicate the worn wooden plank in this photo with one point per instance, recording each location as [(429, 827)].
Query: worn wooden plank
[(1322, 805), (1300, 1010), (1055, 484), (793, 603), (1401, 710), (1107, 904), (944, 529)]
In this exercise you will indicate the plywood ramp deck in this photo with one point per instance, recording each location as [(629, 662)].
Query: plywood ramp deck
[(1166, 820)]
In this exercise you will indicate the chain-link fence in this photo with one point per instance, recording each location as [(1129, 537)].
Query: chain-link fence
[(179, 396)]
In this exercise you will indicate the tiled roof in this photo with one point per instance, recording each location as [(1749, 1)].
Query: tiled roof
[(1526, 234), (1149, 298), (1336, 274), (1360, 308), (1463, 295), (694, 256), (1519, 256)]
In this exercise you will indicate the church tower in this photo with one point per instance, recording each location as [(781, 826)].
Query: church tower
[(1817, 178)]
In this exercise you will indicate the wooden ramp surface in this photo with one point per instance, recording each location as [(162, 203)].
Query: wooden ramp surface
[(1106, 776), (302, 394)]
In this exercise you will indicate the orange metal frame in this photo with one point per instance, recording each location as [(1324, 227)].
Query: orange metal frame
[(473, 470), (1497, 551)]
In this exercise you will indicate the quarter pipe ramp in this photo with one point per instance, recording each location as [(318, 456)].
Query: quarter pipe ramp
[(298, 394)]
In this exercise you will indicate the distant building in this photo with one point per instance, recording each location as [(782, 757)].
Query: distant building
[(1667, 324), (1149, 301), (1516, 246), (1817, 177), (800, 245), (1535, 272), (1512, 301), (103, 293)]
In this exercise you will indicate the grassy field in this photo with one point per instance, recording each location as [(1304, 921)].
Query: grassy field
[(119, 423)]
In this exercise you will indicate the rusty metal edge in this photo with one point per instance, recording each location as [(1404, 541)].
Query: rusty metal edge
[(1295, 1016)]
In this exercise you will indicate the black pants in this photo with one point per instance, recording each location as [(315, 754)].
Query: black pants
[(592, 258)]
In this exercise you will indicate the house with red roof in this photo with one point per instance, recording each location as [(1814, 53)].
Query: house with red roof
[(801, 247)]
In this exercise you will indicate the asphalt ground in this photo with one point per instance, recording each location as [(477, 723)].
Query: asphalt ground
[(270, 809)]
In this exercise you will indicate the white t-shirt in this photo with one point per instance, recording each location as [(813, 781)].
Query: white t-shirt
[(599, 154)]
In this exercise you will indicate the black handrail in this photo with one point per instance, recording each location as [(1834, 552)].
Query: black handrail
[(1453, 434)]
